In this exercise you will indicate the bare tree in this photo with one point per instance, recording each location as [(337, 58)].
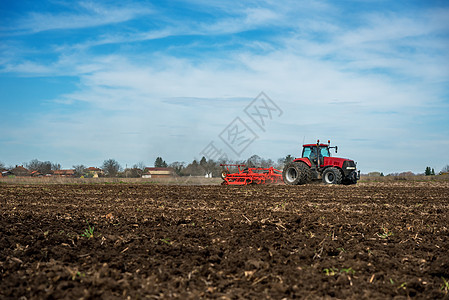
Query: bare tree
[(134, 172), (111, 167), (79, 170), (445, 169), (281, 162), (33, 165), (266, 163), (56, 166), (43, 167), (140, 165), (193, 169), (254, 161), (177, 167), (207, 165), (2, 166)]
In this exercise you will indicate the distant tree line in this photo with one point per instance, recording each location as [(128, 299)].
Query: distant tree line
[(427, 172), (112, 168)]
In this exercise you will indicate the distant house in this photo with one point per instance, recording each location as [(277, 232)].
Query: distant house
[(6, 173), (158, 172), (20, 171), (36, 174), (94, 172), (64, 173)]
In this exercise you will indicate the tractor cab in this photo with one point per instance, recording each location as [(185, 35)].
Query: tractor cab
[(314, 152)]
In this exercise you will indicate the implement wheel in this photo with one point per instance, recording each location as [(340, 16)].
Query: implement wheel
[(224, 174), (296, 173)]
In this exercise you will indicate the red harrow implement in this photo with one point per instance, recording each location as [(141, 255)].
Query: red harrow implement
[(246, 176)]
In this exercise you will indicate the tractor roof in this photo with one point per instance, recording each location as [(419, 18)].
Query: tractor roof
[(313, 145)]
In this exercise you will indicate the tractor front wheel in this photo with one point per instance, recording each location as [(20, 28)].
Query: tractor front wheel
[(296, 173), (332, 176)]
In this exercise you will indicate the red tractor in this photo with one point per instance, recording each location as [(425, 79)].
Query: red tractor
[(316, 163)]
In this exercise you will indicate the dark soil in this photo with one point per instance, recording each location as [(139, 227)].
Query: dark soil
[(371, 241)]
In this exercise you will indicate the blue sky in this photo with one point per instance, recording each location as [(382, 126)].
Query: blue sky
[(84, 81)]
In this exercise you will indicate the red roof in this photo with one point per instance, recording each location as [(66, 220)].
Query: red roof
[(21, 168), (20, 171), (93, 169), (64, 172)]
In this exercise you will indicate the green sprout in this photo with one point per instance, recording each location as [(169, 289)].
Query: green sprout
[(385, 234), (445, 285), (347, 271), (89, 231), (330, 271), (403, 286), (166, 241), (334, 271)]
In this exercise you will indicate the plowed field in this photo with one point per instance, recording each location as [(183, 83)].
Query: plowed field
[(376, 241)]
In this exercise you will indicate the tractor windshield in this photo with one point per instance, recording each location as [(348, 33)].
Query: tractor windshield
[(324, 152), (306, 151)]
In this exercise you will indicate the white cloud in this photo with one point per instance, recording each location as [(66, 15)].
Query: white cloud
[(29, 68), (408, 46), (318, 99), (90, 14), (119, 38)]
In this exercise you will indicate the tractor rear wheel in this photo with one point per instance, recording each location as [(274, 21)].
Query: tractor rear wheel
[(296, 173), (332, 176)]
